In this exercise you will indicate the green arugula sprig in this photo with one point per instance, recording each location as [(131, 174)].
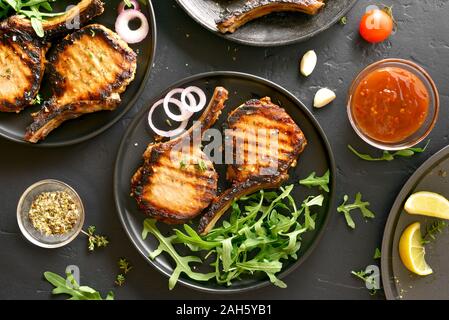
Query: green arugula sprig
[(346, 209), (70, 287), (433, 230), (367, 279), (387, 156), (263, 230), (377, 254), (182, 263), (31, 9), (314, 181)]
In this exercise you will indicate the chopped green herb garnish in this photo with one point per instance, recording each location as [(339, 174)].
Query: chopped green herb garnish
[(346, 209), (168, 122), (183, 164), (120, 280), (201, 165), (37, 99), (343, 21)]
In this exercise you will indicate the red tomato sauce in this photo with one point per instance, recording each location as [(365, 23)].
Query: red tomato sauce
[(390, 104)]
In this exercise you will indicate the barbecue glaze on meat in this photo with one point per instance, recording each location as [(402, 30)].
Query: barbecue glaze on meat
[(175, 186), (70, 21), (258, 164), (22, 65), (254, 9), (87, 72)]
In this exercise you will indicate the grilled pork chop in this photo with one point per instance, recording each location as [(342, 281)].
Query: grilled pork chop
[(173, 185), (87, 71), (260, 162), (72, 19), (22, 65), (254, 9)]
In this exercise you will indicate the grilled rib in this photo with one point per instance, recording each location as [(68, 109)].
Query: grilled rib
[(87, 72), (254, 9), (22, 65), (73, 18), (260, 162), (174, 184)]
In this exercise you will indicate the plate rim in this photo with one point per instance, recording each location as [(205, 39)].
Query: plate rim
[(390, 225), (125, 110), (311, 118), (229, 37)]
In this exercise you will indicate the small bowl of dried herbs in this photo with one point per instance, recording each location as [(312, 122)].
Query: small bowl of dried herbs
[(50, 214)]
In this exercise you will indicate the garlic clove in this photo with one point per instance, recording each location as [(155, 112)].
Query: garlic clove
[(308, 63), (323, 97)]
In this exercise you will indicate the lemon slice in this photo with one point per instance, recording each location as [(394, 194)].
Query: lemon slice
[(428, 204), (412, 251)]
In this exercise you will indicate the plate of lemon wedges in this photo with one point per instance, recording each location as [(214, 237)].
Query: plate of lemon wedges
[(415, 247)]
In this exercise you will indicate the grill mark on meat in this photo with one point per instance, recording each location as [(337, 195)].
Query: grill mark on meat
[(87, 72), (156, 185), (22, 65), (253, 9), (247, 177), (53, 27)]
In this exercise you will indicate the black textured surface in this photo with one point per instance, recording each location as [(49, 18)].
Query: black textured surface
[(185, 48)]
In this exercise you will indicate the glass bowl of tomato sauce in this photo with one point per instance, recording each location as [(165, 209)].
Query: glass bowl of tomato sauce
[(393, 104)]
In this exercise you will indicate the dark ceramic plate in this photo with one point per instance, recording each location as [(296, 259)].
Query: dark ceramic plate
[(398, 282), (272, 30), (12, 126), (242, 87)]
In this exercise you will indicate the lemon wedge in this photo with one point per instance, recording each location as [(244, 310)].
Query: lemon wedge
[(412, 251), (428, 204)]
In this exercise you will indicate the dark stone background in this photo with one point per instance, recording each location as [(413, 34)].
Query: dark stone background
[(185, 48)]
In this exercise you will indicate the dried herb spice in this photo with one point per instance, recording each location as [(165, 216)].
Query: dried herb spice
[(54, 213)]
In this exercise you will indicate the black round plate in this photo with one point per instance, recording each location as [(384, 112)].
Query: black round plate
[(273, 30), (242, 87), (12, 126), (398, 282)]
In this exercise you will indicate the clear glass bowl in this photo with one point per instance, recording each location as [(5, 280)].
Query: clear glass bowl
[(434, 104), (26, 226)]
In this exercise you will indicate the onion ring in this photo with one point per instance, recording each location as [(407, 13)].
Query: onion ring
[(122, 6), (201, 95), (162, 133), (185, 113), (125, 32)]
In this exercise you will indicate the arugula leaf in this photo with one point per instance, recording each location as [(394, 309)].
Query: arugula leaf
[(70, 287), (377, 254), (387, 156), (182, 263), (346, 209), (313, 181), (263, 230)]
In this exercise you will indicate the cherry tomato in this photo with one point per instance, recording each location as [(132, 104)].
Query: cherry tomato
[(376, 26)]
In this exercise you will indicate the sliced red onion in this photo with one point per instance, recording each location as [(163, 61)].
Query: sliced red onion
[(162, 133), (125, 32), (201, 95), (185, 113), (122, 6)]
